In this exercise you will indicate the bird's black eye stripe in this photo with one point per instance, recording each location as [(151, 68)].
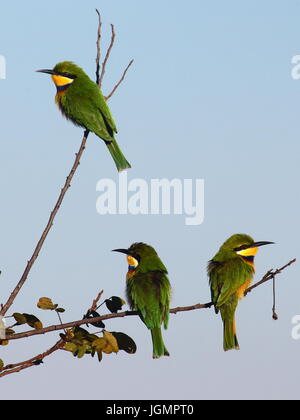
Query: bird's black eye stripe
[(137, 257), (240, 248), (69, 75)]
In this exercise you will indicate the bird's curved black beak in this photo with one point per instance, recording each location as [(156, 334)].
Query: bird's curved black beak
[(254, 245), (261, 243), (46, 71), (123, 251)]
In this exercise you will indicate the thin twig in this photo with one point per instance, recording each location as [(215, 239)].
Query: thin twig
[(49, 225), (17, 367), (59, 318), (98, 48), (134, 313), (95, 302), (191, 307), (120, 81), (269, 276), (274, 314), (112, 40)]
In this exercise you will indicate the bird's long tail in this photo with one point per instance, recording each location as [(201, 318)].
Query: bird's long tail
[(230, 340), (117, 155), (159, 348)]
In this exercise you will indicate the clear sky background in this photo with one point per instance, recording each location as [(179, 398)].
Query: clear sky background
[(210, 96)]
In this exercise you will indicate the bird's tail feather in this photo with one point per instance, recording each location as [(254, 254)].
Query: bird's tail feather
[(117, 155), (230, 340), (159, 348)]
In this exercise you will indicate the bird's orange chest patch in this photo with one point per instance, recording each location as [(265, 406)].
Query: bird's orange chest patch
[(132, 266), (130, 274), (241, 290), (58, 96)]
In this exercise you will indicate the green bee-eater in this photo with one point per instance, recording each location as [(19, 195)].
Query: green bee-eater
[(81, 101), (148, 291), (230, 273)]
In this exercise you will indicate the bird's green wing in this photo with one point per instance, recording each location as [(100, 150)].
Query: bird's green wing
[(214, 280), (150, 294), (100, 103), (86, 106), (226, 278)]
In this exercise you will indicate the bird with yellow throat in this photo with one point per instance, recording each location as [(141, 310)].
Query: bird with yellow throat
[(231, 272), (81, 101), (148, 291)]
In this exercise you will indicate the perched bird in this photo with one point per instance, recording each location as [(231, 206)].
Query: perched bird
[(148, 291), (81, 101), (230, 273)]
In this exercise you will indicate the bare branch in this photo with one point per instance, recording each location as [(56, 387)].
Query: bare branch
[(49, 225), (191, 308), (274, 314), (95, 302), (99, 77), (17, 367), (269, 276), (98, 48), (113, 36), (52, 328), (120, 81), (72, 324)]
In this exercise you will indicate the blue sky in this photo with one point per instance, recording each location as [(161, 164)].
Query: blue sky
[(210, 96)]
